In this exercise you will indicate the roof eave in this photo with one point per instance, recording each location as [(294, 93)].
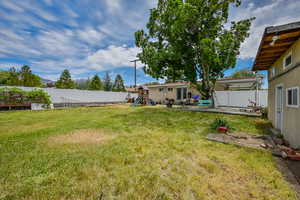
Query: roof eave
[(264, 63)]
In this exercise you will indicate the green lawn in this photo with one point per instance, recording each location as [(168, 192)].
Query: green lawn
[(130, 153)]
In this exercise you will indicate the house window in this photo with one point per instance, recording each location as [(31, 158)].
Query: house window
[(170, 89), (178, 93), (293, 97), (161, 89), (181, 93), (287, 61)]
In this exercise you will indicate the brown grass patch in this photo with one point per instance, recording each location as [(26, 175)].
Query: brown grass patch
[(81, 137)]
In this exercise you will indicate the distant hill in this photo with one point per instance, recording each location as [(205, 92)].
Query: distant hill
[(45, 81)]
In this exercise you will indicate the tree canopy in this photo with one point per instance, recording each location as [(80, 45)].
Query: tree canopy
[(107, 84), (25, 77), (243, 73), (65, 81), (3, 77), (191, 40), (95, 83), (28, 79), (119, 84), (82, 84)]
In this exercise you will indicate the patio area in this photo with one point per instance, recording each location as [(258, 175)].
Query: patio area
[(223, 110)]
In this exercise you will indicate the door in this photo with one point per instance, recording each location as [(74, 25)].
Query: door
[(181, 94), (279, 107)]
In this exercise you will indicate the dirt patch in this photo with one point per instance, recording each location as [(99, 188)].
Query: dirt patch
[(240, 139), (80, 137)]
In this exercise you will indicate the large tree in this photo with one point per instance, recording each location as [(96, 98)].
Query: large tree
[(191, 40), (4, 75), (28, 79), (95, 83), (107, 84), (65, 81), (82, 84), (13, 77), (25, 77), (119, 84)]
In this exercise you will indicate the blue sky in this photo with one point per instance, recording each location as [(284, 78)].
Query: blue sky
[(95, 36)]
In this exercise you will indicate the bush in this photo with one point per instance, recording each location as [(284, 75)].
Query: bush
[(18, 96), (218, 122), (12, 96), (38, 96)]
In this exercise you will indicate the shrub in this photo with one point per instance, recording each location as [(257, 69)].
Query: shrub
[(38, 96), (18, 96), (218, 122), (12, 95)]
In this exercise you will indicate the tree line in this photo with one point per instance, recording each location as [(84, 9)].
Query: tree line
[(95, 83), (26, 78), (23, 77)]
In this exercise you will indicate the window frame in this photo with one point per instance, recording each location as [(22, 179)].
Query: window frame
[(284, 59), (170, 89), (287, 97)]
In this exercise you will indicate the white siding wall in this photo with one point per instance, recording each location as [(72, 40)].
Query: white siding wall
[(241, 98)]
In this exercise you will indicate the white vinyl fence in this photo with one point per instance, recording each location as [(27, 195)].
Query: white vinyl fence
[(241, 98), (72, 96)]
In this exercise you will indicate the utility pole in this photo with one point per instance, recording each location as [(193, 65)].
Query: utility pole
[(134, 61)]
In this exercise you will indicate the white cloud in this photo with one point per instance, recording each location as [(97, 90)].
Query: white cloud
[(113, 5), (111, 57), (151, 3), (68, 10), (48, 2), (10, 5), (10, 34), (90, 35), (7, 66)]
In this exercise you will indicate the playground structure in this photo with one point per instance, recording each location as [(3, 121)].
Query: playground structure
[(143, 97)]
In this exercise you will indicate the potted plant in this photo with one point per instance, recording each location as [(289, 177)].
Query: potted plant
[(221, 125)]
